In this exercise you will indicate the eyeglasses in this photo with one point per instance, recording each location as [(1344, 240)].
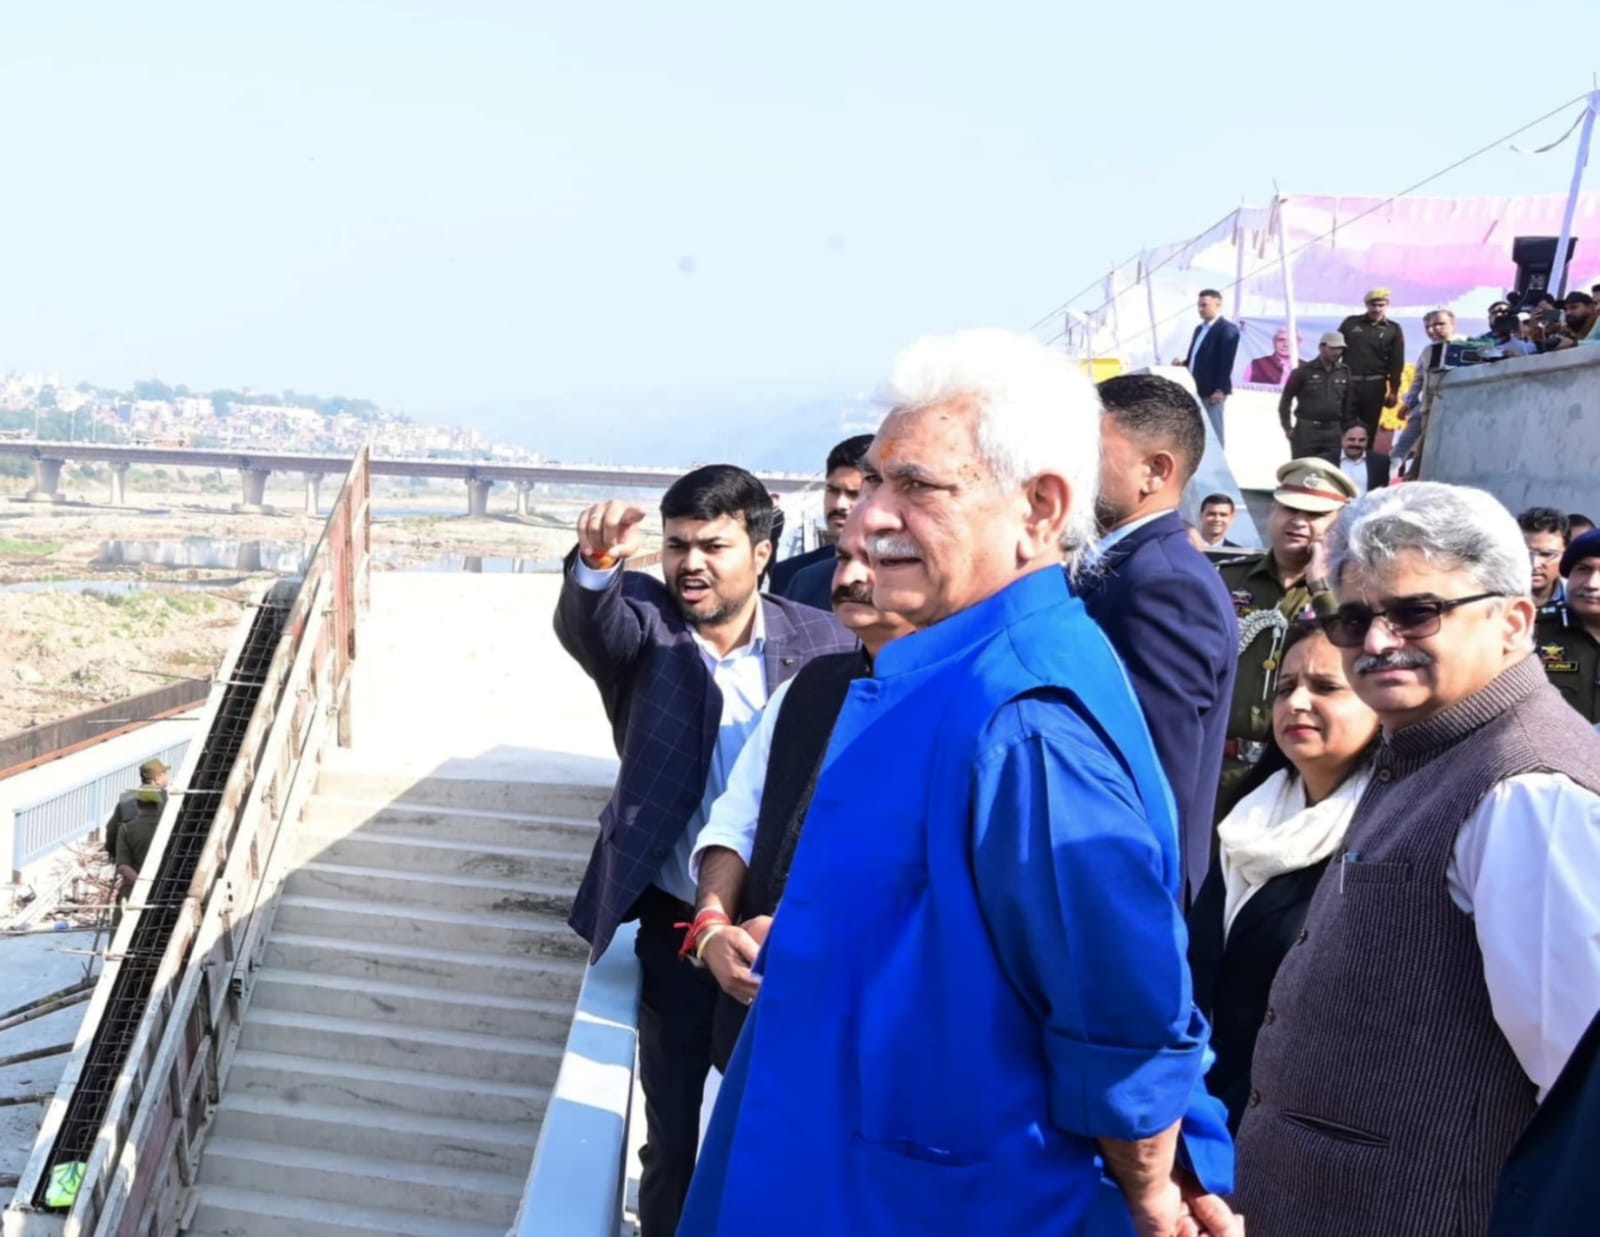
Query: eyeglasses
[(1544, 556), (1347, 627)]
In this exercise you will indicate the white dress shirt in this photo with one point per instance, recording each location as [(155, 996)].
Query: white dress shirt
[(1356, 470), (732, 823), (741, 677), (1194, 348), (1526, 867)]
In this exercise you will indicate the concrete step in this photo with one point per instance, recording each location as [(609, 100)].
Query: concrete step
[(539, 978), (549, 798), (227, 1212), (387, 1046), (505, 935), (416, 1005), (329, 815), (297, 1079), (442, 856), (480, 1146), (456, 893), (341, 1177)]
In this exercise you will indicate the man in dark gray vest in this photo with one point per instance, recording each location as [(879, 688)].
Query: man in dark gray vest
[(742, 856), (1451, 953)]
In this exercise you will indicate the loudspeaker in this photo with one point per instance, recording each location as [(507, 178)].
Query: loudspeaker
[(1535, 257)]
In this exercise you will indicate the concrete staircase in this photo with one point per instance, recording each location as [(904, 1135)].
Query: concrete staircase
[(408, 1021)]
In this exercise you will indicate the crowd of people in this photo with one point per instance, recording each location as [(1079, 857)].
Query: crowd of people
[(1042, 875), (1357, 377)]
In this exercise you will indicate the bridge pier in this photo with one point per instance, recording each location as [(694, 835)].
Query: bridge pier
[(478, 497), (313, 485), (46, 481), (119, 484), (249, 559), (254, 481), (524, 489)]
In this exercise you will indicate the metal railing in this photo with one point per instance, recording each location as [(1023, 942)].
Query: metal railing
[(48, 820), (575, 1186), (172, 1060)]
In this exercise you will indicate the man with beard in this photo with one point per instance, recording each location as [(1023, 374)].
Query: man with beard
[(974, 1013), (1583, 321), (1272, 588), (683, 670), (1159, 600), (1450, 957), (741, 859), (1568, 639), (839, 493)]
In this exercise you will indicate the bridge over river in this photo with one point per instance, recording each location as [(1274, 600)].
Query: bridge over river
[(255, 465)]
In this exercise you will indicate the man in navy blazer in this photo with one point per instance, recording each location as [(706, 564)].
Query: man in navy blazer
[(1160, 601), (684, 668), (1547, 1184), (840, 489), (1212, 349)]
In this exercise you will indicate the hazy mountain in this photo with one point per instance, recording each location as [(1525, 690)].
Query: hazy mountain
[(765, 428)]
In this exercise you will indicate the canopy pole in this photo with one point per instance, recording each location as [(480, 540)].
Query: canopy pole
[(1116, 318), (1150, 305), (1238, 269), (1572, 194), (1288, 279)]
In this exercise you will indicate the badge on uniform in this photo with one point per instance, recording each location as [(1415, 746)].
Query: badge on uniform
[(1244, 602), (1554, 657)]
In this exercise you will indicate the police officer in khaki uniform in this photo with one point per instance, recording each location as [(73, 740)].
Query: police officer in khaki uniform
[(1568, 640), (1318, 394), (1273, 588)]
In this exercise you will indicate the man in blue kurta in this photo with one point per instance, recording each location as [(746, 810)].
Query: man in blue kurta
[(975, 1014)]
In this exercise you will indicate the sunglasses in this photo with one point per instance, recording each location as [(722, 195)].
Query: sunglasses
[(1348, 626)]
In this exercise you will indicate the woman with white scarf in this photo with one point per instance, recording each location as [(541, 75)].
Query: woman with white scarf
[(1287, 819)]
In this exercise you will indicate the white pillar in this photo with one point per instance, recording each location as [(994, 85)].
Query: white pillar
[(1559, 284)]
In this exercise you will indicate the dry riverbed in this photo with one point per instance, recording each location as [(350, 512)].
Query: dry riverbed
[(65, 647)]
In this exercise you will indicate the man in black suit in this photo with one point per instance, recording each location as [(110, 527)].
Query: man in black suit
[(1367, 470), (1160, 601), (1212, 349), (684, 668), (840, 491), (1547, 1185)]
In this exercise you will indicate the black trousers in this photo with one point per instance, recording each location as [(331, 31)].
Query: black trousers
[(676, 1005), (1314, 438), (1366, 404)]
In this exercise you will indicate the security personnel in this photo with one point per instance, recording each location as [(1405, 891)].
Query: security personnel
[(1568, 640), (132, 826), (1272, 589), (1321, 386), (1375, 351)]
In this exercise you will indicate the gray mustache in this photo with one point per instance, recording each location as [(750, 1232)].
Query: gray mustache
[(887, 546), (1409, 659)]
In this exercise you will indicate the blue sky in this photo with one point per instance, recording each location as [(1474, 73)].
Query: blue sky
[(459, 205)]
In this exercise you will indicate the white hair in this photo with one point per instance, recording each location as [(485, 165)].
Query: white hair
[(1450, 526), (1037, 413)]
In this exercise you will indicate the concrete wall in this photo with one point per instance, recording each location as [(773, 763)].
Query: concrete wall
[(1526, 429)]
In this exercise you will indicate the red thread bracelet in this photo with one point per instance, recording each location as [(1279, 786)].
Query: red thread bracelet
[(702, 920)]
